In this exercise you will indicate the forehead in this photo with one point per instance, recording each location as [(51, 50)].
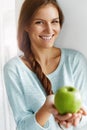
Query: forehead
[(46, 11)]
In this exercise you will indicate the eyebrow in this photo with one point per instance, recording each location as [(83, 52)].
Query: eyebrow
[(44, 20)]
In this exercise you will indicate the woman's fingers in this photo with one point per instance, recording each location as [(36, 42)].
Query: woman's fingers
[(66, 124), (63, 117), (70, 119), (54, 111), (75, 115), (83, 111), (77, 120)]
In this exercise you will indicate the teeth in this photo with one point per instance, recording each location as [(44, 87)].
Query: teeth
[(46, 37)]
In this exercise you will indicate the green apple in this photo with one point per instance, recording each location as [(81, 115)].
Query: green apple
[(67, 100)]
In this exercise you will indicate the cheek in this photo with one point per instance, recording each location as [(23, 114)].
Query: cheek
[(33, 33), (35, 30), (57, 30)]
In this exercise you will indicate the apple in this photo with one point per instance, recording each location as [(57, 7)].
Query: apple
[(67, 100)]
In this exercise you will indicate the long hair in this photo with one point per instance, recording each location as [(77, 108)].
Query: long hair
[(28, 9)]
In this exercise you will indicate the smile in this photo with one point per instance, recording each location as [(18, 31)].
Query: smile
[(46, 37)]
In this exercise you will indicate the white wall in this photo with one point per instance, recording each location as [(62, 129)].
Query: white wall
[(74, 31)]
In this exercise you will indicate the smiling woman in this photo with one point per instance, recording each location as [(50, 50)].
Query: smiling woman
[(44, 28), (33, 78)]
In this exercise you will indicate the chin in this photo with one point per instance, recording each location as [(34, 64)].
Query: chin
[(49, 45)]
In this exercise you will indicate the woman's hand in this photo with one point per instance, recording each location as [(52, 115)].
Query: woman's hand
[(67, 120), (70, 119), (49, 105), (43, 114)]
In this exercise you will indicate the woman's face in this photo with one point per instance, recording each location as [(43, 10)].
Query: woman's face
[(44, 27)]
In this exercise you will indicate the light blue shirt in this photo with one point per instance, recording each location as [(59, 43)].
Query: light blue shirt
[(26, 94)]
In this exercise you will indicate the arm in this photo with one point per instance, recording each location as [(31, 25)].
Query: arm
[(46, 110), (25, 118)]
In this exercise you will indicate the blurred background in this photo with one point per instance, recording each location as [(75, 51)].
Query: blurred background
[(73, 35)]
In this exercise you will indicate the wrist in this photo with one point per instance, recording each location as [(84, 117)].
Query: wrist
[(46, 108), (43, 115)]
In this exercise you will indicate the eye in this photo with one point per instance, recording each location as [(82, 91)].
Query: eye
[(39, 22), (55, 21)]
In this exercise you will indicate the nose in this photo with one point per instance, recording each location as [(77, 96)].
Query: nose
[(49, 28)]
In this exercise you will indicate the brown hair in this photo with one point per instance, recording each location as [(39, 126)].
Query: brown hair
[(28, 9)]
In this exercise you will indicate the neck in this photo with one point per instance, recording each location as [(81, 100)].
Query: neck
[(43, 56)]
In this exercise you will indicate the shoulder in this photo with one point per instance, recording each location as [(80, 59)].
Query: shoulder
[(74, 56), (72, 53), (12, 64)]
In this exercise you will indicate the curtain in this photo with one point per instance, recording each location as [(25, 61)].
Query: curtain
[(8, 49)]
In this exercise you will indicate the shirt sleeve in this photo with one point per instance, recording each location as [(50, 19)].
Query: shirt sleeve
[(25, 118), (80, 81)]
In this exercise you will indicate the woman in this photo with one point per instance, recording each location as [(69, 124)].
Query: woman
[(32, 79)]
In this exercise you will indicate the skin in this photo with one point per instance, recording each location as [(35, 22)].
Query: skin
[(43, 31)]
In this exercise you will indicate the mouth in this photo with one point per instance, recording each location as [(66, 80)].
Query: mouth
[(47, 37)]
